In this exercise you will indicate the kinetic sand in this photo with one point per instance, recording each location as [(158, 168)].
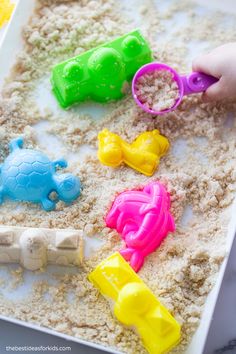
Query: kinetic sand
[(199, 170), (157, 90)]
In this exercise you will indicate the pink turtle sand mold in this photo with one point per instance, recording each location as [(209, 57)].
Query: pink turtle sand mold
[(143, 219), (192, 83)]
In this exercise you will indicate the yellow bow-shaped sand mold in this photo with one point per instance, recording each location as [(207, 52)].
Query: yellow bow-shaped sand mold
[(142, 155)]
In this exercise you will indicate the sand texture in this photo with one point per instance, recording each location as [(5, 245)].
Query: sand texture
[(199, 170)]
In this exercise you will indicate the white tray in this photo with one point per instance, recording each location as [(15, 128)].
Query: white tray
[(10, 45)]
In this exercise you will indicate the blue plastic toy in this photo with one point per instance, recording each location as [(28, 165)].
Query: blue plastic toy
[(29, 175)]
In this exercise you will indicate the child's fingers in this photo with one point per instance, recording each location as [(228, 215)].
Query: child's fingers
[(208, 64), (202, 64), (214, 93)]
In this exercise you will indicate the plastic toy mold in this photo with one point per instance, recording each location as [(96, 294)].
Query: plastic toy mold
[(192, 83), (28, 175), (6, 9), (143, 219), (135, 304), (142, 155), (100, 73)]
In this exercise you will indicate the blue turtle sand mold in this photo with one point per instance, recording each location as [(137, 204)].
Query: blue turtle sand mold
[(29, 175)]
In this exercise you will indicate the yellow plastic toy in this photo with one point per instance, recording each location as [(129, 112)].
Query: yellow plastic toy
[(135, 304), (6, 9), (142, 155)]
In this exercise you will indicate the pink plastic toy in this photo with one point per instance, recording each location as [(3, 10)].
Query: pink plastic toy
[(188, 84), (143, 219)]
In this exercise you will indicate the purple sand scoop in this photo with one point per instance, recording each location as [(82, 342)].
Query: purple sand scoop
[(192, 83)]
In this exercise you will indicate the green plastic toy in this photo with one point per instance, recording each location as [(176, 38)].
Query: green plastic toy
[(100, 73)]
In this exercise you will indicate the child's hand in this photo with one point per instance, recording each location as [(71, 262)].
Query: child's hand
[(221, 63)]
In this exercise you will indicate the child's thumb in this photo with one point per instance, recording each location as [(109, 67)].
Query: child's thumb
[(214, 92)]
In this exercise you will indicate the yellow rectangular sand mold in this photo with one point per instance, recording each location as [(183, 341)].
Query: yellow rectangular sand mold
[(135, 305)]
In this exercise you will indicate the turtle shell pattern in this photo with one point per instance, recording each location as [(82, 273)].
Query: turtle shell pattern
[(27, 175)]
